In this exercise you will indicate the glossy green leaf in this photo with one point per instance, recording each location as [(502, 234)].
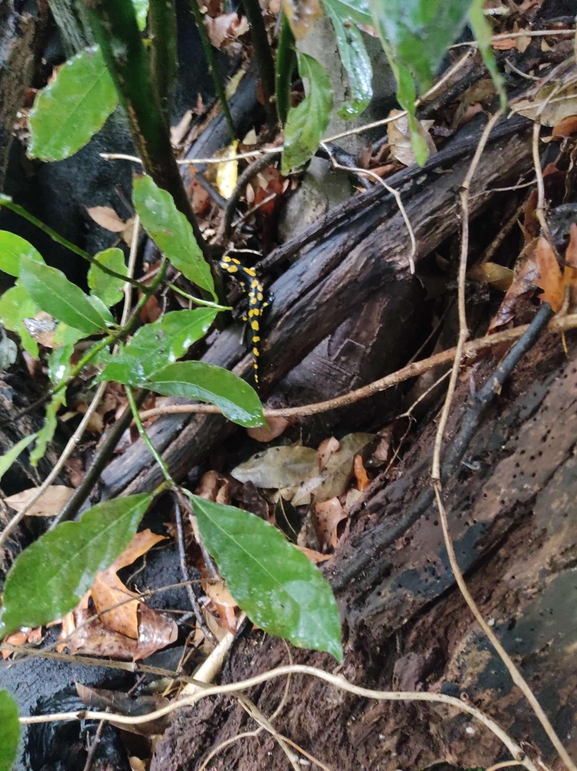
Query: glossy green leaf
[(51, 576), (16, 305), (307, 122), (55, 294), (483, 34), (12, 248), (9, 457), (59, 363), (47, 431), (278, 588), (171, 232), (141, 10), (72, 107), (108, 288), (356, 10), (354, 58), (207, 383), (156, 345), (415, 35), (419, 32), (9, 731)]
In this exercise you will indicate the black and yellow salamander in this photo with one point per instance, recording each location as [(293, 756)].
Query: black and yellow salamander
[(252, 286)]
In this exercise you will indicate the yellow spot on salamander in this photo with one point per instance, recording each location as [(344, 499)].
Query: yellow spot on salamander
[(254, 325), (255, 352), (250, 271)]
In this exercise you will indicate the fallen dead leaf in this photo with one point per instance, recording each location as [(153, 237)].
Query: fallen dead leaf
[(107, 218), (329, 514), (526, 273), (225, 29), (400, 137), (550, 278), (301, 15), (314, 556), (48, 505), (360, 473), (327, 448), (492, 273), (276, 426), (565, 127)]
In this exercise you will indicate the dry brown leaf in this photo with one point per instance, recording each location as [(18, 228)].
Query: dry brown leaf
[(570, 272), (208, 486), (155, 631), (327, 448), (224, 604), (42, 328), (314, 556), (565, 127), (526, 274), (551, 108), (493, 274), (329, 514), (301, 14), (225, 29), (108, 590), (107, 218), (276, 426), (550, 278), (400, 138), (360, 473), (48, 505)]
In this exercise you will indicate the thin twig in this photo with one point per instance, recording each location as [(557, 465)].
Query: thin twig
[(184, 571), (389, 189), (463, 329), (73, 443), (337, 681), (400, 376)]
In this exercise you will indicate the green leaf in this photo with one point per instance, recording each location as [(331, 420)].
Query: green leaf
[(273, 582), (307, 122), (356, 10), (16, 305), (51, 576), (59, 363), (354, 59), (207, 383), (483, 33), (156, 345), (141, 11), (59, 297), (108, 288), (72, 107), (12, 248), (48, 429), (9, 457), (418, 32), (415, 35), (9, 731), (171, 232)]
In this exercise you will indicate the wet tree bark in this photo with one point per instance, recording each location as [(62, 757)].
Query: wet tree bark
[(406, 627)]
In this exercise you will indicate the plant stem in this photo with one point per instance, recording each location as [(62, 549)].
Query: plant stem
[(20, 210), (115, 28), (163, 54), (198, 301), (146, 439), (212, 65), (285, 61), (263, 57), (115, 336)]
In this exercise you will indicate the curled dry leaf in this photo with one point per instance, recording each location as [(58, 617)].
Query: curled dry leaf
[(327, 448), (329, 514), (400, 137), (526, 275), (225, 29), (276, 427), (570, 272), (550, 278), (497, 276), (224, 604), (22, 636), (360, 473), (130, 631), (208, 486), (48, 505), (107, 218), (550, 108), (565, 127), (314, 556)]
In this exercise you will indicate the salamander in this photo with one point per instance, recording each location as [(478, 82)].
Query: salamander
[(257, 302)]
